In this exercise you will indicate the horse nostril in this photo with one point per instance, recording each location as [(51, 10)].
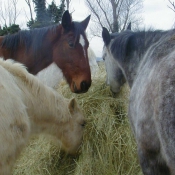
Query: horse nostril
[(84, 86)]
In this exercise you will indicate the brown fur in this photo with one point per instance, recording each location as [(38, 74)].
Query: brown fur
[(40, 47)]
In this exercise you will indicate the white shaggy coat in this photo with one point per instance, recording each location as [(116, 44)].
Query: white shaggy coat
[(26, 107)]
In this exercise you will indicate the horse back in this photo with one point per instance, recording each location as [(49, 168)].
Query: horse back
[(155, 79), (2, 50), (17, 52), (27, 48), (14, 124), (152, 104)]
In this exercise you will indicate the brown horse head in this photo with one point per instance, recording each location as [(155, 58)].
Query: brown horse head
[(70, 53), (65, 44)]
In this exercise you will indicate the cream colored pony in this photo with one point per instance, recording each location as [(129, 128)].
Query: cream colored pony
[(27, 107)]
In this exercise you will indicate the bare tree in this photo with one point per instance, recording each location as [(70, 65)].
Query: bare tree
[(30, 9), (68, 4), (8, 12), (115, 15), (69, 7), (172, 5)]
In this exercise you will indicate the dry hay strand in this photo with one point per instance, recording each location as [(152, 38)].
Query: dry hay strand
[(108, 145), (43, 157)]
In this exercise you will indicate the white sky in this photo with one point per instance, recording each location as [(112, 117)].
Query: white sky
[(156, 14)]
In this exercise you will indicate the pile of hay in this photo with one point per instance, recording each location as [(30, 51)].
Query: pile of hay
[(108, 147)]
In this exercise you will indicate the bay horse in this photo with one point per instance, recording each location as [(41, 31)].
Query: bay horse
[(29, 107), (147, 60), (65, 44)]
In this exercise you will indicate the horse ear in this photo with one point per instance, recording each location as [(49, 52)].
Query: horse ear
[(106, 36), (66, 20), (73, 105), (85, 22), (129, 26)]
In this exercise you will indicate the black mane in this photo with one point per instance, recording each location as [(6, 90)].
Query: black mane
[(119, 43), (32, 39), (125, 42)]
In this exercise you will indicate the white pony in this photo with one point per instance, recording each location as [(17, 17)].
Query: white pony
[(28, 107), (52, 75)]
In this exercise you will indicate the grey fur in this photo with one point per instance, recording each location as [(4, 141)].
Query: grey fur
[(147, 60)]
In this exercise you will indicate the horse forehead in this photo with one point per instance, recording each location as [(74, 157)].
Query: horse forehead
[(83, 42)]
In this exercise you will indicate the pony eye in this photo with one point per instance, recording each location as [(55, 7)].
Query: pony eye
[(83, 124), (71, 44)]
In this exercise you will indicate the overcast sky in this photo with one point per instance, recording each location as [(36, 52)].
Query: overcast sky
[(156, 14)]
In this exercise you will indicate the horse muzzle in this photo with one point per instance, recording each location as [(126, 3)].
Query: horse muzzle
[(81, 88)]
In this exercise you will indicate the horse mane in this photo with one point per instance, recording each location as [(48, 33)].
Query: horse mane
[(33, 39), (119, 43), (125, 42), (38, 89)]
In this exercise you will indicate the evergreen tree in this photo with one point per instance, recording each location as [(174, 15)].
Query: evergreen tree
[(52, 11), (55, 13), (60, 11), (9, 30), (40, 9), (46, 16)]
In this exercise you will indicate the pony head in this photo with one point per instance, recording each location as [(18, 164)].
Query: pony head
[(72, 130)]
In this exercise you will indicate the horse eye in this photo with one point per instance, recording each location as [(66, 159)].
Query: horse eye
[(71, 44), (83, 124)]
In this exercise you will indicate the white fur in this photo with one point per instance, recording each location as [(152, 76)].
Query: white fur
[(26, 107), (51, 75), (82, 42)]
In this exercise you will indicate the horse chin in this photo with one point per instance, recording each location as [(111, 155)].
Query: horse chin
[(73, 151), (115, 91)]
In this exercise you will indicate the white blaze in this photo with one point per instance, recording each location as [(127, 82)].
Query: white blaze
[(82, 42)]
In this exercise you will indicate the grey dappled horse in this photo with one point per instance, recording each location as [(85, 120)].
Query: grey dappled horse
[(147, 60)]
